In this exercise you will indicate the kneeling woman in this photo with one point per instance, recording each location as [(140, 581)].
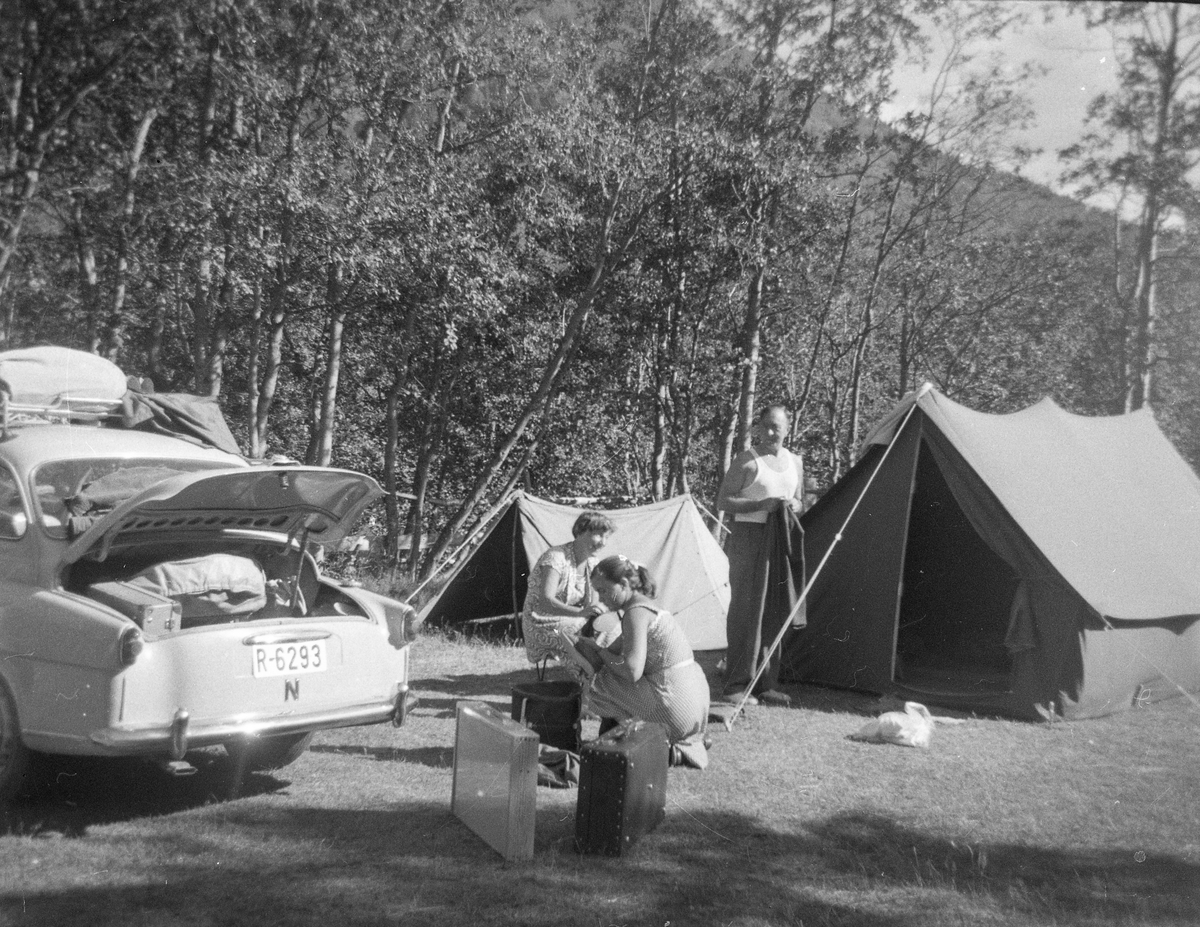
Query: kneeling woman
[(649, 671)]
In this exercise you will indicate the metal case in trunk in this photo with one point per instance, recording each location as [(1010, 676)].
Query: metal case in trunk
[(153, 613)]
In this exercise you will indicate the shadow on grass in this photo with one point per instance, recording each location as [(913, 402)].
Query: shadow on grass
[(416, 863), (73, 794), (1122, 884), (473, 685), (436, 757), (494, 689)]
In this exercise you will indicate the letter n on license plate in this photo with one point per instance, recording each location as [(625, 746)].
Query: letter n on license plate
[(289, 659)]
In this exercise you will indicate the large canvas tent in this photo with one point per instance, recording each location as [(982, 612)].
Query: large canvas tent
[(1027, 564), (669, 537)]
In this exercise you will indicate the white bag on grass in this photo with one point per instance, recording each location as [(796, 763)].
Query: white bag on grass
[(912, 727)]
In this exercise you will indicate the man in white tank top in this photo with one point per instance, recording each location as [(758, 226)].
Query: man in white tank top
[(758, 478)]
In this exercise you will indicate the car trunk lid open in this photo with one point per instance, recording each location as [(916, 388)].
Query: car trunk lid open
[(316, 503)]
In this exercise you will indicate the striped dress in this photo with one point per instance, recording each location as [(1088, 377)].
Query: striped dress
[(673, 690), (574, 588)]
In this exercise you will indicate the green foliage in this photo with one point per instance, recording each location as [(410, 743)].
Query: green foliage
[(373, 228)]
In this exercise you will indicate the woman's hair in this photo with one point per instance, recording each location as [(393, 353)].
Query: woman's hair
[(618, 569), (588, 522)]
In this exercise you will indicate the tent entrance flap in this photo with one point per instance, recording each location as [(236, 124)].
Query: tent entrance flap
[(490, 582), (957, 597)]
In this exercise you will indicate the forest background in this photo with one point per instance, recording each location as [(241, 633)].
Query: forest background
[(469, 245)]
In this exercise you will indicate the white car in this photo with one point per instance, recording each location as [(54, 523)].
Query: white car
[(157, 595)]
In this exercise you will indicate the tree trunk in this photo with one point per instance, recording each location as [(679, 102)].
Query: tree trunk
[(1142, 374), (432, 429), (201, 325), (658, 457), (1146, 313), (116, 312), (273, 365), (326, 422), (391, 449), (30, 179), (225, 309), (751, 355), (252, 365), (89, 283)]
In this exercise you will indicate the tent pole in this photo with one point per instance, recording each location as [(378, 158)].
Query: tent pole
[(820, 566), (717, 520)]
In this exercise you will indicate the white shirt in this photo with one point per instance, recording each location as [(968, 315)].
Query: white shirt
[(769, 483)]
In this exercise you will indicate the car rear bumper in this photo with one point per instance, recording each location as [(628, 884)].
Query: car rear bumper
[(181, 734)]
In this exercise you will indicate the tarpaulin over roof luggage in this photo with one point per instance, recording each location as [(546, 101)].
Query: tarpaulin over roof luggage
[(668, 537), (1021, 564), (197, 418)]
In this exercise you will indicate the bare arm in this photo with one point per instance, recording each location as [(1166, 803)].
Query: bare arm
[(737, 477), (630, 663), (551, 604), (730, 496)]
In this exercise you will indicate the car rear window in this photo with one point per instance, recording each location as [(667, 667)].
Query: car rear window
[(76, 491)]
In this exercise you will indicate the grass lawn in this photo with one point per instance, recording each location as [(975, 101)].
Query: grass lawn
[(997, 823)]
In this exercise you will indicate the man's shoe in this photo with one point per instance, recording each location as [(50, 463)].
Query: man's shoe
[(734, 696), (775, 697)]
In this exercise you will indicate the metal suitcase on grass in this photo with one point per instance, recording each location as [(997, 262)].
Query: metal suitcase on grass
[(495, 779), (622, 788)]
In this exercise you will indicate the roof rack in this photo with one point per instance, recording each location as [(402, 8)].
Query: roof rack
[(82, 409)]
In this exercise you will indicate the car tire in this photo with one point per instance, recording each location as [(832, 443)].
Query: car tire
[(14, 755), (260, 754)]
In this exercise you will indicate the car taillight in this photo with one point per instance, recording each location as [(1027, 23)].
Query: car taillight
[(131, 645), (412, 622), (402, 623)]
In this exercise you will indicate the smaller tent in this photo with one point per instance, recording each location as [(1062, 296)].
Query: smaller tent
[(1024, 564), (668, 537)]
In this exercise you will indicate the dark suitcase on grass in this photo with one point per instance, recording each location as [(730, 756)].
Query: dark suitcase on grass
[(622, 788), (550, 709)]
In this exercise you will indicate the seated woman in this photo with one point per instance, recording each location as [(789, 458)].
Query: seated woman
[(560, 600), (649, 671)]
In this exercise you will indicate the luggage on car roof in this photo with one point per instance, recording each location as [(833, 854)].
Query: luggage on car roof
[(45, 376)]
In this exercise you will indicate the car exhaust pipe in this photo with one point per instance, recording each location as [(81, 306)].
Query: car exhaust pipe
[(177, 768)]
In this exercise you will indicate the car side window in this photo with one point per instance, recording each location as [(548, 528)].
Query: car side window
[(13, 520)]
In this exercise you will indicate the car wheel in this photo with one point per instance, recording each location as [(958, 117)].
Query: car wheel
[(263, 753), (14, 756)]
